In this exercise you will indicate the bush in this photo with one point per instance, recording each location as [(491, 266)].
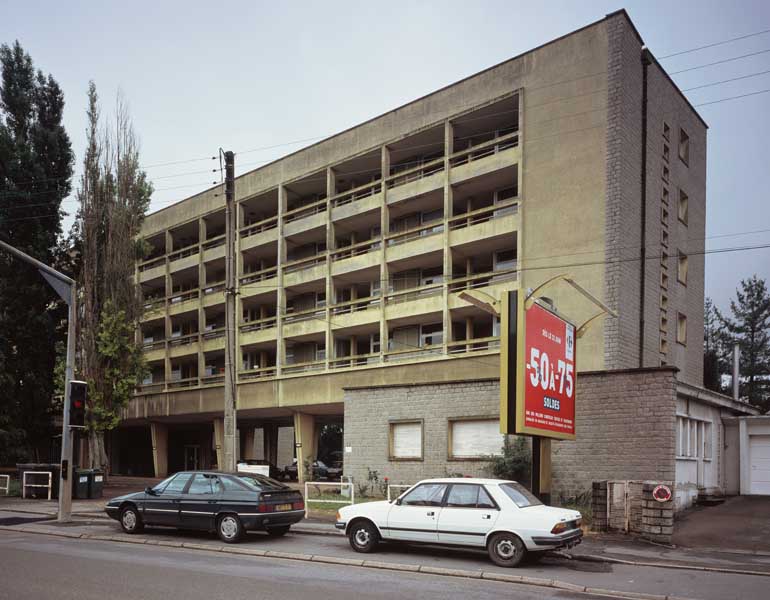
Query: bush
[(514, 463)]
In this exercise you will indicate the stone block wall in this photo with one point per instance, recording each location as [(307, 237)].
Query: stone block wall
[(657, 517)]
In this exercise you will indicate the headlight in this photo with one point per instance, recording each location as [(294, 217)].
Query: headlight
[(559, 528), (338, 516)]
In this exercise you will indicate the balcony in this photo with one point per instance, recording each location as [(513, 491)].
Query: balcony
[(153, 308), (187, 382), (214, 248), (304, 270), (305, 322), (485, 223), (362, 311), (363, 255), (487, 157), (258, 331), (416, 181), (213, 293), (427, 351), (259, 282), (183, 345), (184, 259), (258, 234), (303, 367), (180, 302), (257, 373), (303, 218), (152, 269), (356, 360), (485, 344), (154, 351), (358, 200), (416, 300), (213, 339), (418, 240)]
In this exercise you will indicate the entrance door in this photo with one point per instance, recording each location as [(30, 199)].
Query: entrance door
[(759, 459), (191, 454)]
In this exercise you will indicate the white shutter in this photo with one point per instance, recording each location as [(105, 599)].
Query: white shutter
[(472, 439), (407, 440)]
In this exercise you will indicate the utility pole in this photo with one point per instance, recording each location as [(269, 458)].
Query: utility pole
[(65, 287), (737, 372), (230, 417)]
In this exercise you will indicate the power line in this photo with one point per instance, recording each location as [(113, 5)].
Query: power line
[(735, 39), (698, 87), (734, 97), (720, 62)]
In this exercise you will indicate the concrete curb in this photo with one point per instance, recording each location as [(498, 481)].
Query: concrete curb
[(659, 565), (424, 569)]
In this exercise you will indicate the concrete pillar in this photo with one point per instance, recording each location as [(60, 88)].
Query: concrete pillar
[(219, 441), (270, 443), (304, 437), (159, 436), (248, 443)]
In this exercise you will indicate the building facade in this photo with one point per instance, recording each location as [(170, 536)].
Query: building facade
[(353, 254)]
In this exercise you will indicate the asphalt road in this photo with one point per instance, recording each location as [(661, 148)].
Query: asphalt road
[(38, 567)]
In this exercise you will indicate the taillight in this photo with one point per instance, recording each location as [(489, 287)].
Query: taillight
[(265, 508), (298, 505)]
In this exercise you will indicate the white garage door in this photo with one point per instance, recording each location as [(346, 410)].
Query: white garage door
[(759, 456)]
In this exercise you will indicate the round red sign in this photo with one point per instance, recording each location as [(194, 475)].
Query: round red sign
[(662, 493)]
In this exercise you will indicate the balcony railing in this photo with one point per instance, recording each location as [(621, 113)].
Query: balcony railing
[(306, 210), (214, 242), (410, 353), (482, 215), (478, 280), (473, 345), (257, 373), (304, 315), (212, 379), (357, 193), (268, 273), (357, 249), (213, 334), (151, 388), (155, 302), (304, 263), (184, 252), (414, 173), (152, 263), (258, 324), (401, 237), (213, 288), (183, 340), (301, 367), (359, 304), (181, 296), (415, 293), (182, 383), (355, 360), (259, 226), (153, 345), (484, 149)]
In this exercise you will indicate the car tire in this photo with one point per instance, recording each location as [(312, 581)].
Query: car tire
[(229, 528), (363, 536), (506, 549), (130, 520), (278, 531)]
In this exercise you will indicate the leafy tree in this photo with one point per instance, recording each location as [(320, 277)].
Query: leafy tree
[(35, 176), (114, 195), (515, 462), (750, 327), (716, 349)]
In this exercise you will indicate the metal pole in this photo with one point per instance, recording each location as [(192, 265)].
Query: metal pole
[(230, 417), (736, 372)]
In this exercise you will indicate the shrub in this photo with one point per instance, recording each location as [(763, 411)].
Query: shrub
[(515, 462)]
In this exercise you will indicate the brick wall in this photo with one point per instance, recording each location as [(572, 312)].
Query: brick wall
[(625, 423)]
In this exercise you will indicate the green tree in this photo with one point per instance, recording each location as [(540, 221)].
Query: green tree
[(515, 461), (749, 325), (114, 195), (716, 349), (35, 176)]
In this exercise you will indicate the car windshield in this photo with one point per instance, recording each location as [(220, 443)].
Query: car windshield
[(162, 485), (260, 482), (519, 494)]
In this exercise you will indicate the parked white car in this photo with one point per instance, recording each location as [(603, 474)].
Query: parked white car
[(501, 516)]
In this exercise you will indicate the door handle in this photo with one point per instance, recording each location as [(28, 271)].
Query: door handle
[(431, 514), (212, 501), (486, 516)]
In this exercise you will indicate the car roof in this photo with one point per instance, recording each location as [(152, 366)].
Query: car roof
[(476, 480), (206, 473)]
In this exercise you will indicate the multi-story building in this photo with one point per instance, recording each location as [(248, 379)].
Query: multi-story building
[(580, 156)]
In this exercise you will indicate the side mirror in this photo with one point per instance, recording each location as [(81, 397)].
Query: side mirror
[(149, 491)]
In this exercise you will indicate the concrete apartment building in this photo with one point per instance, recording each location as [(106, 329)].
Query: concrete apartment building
[(580, 156)]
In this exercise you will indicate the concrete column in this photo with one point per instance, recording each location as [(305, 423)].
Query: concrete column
[(447, 265), (331, 243), (159, 436), (247, 436), (280, 349), (304, 437), (745, 459), (270, 443), (384, 230), (219, 441)]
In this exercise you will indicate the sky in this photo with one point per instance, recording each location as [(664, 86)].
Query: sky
[(265, 78)]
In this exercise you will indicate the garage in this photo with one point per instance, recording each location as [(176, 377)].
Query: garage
[(759, 459)]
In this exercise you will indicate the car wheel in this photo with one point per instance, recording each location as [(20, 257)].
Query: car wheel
[(363, 536), (506, 549), (130, 521), (277, 531), (229, 529)]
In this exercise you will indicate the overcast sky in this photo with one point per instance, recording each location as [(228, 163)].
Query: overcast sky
[(245, 75)]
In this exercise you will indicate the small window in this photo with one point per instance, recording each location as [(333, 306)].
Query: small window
[(406, 440), (201, 484), (663, 321), (707, 444), (664, 280), (681, 329), (664, 237), (663, 346), (683, 207), (176, 485), (664, 215), (684, 146), (504, 259), (664, 260), (681, 268), (666, 131), (228, 484), (666, 152), (664, 301), (427, 494)]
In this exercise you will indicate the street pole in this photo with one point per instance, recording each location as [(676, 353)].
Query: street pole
[(65, 287), (737, 372), (230, 417)]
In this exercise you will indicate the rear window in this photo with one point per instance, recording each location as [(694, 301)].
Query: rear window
[(519, 494), (260, 482)]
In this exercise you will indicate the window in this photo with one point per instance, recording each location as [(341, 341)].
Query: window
[(664, 260), (469, 496), (663, 321), (666, 131), (664, 237), (519, 494), (663, 301), (431, 335), (682, 211), (664, 280), (427, 494), (475, 438), (664, 215), (176, 485), (406, 440), (663, 345), (228, 484), (693, 438), (201, 484), (684, 146), (681, 329), (681, 268)]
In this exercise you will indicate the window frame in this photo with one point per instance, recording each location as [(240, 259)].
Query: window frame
[(392, 423), (682, 267), (442, 502), (684, 200), (684, 147), (479, 487), (450, 435), (681, 318)]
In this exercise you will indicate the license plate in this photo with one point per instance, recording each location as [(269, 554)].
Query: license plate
[(283, 507)]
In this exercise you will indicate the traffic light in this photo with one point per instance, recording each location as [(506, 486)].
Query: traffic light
[(78, 391)]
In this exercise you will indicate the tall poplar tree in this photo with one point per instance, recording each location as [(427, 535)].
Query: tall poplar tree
[(35, 176)]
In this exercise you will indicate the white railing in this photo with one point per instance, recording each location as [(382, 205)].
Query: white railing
[(341, 485), (25, 485), (7, 485), (401, 486)]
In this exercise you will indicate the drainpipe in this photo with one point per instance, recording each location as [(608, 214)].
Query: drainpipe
[(643, 234)]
